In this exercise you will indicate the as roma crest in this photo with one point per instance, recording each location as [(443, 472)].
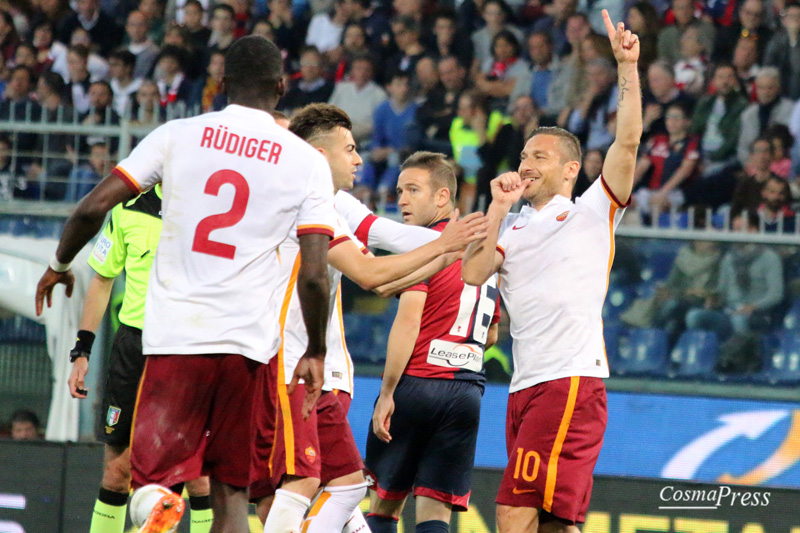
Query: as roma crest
[(563, 216)]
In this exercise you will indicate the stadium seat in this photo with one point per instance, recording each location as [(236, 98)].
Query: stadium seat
[(695, 354), (784, 365), (618, 299), (644, 352), (679, 220), (791, 321), (658, 264)]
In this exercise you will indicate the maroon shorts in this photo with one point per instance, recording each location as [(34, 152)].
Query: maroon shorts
[(194, 416), (344, 398), (265, 432), (321, 447), (554, 432)]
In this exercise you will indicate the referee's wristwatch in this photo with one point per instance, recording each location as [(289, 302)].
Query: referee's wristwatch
[(83, 346)]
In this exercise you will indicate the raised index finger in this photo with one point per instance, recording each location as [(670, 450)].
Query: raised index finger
[(612, 33)]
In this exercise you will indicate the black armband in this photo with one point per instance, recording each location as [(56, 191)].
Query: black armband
[(83, 345)]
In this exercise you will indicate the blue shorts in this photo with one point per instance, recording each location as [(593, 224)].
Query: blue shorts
[(434, 432)]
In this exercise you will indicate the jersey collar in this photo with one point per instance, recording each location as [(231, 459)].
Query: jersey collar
[(247, 112), (555, 201)]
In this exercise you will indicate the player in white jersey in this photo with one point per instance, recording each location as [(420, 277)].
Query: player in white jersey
[(234, 185), (554, 258), (321, 448)]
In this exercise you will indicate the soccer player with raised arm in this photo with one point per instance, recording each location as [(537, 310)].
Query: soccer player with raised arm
[(554, 258), (317, 447), (235, 184)]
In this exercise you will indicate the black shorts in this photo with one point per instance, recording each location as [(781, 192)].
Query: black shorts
[(124, 371), (434, 431)]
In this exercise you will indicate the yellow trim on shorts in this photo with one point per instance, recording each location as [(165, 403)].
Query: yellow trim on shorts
[(552, 464)]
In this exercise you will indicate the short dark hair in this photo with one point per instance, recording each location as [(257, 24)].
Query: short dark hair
[(315, 120), (252, 65), (105, 84), (53, 81), (26, 69), (408, 23), (508, 37), (80, 49), (194, 3), (226, 8), (571, 146), (125, 56), (780, 131), (544, 35), (442, 172), (26, 415)]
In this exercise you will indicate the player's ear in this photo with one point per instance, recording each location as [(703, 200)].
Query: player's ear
[(571, 169), (442, 197)]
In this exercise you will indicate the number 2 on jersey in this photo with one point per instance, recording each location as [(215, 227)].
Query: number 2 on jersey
[(202, 243), (482, 316)]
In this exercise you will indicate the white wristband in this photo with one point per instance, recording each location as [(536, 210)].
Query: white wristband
[(58, 266)]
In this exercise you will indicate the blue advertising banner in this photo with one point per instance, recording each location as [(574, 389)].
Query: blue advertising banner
[(713, 440)]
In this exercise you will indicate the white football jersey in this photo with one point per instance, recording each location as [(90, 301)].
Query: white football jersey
[(554, 280), (338, 364), (234, 185)]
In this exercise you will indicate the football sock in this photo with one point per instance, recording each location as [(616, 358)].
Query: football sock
[(109, 512), (286, 514), (333, 508), (382, 524), (433, 526), (201, 514), (357, 523)]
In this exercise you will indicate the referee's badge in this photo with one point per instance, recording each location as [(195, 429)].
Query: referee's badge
[(112, 417)]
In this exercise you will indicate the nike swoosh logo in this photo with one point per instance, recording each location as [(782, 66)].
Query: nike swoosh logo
[(515, 490), (515, 227)]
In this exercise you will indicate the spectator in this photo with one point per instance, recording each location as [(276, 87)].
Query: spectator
[(661, 93), (590, 120), (101, 111), (427, 79), (55, 147), (359, 98), (44, 42), (717, 119), (153, 11), (102, 28), (750, 180), (783, 50), (223, 22), (354, 44), (8, 173), (325, 29), (123, 83), (775, 210), (406, 32), (431, 129), (502, 153), (175, 11), (749, 288), (590, 170), (389, 140), (751, 25), (448, 39), (170, 76), (76, 91), (95, 63), (311, 87), (691, 67), (193, 21), (372, 19), (147, 107), (9, 38), (139, 44), (782, 142), (474, 126), (26, 56), (556, 25), (289, 30), (211, 88), (669, 39), (50, 12), (501, 73), (573, 71), (241, 17), (670, 163), (769, 109), (495, 14), (745, 61), (17, 104), (25, 425), (643, 20), (84, 177), (540, 82), (194, 63)]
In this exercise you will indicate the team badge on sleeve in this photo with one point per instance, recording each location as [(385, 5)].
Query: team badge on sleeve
[(102, 247), (112, 417)]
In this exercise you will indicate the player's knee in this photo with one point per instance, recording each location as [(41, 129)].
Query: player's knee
[(355, 478), (263, 506), (199, 487), (516, 519), (385, 507)]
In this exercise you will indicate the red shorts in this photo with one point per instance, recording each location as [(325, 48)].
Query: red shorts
[(344, 398), (194, 416), (554, 432), (265, 433), (321, 447)]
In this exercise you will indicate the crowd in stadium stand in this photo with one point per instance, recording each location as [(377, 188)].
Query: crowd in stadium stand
[(470, 78)]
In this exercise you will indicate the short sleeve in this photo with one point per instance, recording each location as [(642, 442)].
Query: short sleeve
[(692, 150), (109, 253), (316, 214), (505, 231), (351, 209), (601, 200), (144, 166)]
